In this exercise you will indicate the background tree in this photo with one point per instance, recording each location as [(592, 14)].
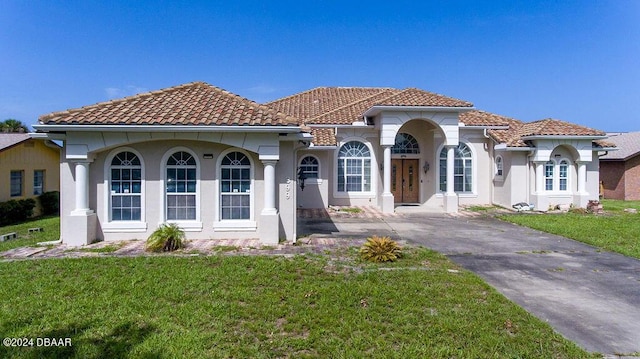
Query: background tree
[(13, 125)]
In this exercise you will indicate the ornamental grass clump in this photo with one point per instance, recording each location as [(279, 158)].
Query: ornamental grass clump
[(167, 238), (380, 249)]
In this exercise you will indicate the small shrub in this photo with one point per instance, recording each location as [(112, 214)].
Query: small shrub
[(380, 249), (167, 238), (50, 202), (15, 211)]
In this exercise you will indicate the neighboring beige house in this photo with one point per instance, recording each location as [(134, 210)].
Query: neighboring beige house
[(620, 170), (222, 166), (28, 167)]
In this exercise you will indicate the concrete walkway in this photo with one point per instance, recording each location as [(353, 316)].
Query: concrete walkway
[(590, 296)]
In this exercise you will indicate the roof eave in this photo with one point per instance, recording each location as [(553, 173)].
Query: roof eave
[(374, 110), (167, 128)]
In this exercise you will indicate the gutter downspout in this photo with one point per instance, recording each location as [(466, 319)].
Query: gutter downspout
[(493, 166)]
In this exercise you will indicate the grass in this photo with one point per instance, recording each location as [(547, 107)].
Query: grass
[(50, 232), (352, 210), (615, 231), (221, 306)]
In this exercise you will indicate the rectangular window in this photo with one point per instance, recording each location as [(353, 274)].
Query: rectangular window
[(181, 193), (235, 192), (16, 183), (126, 188), (548, 176), (38, 182), (354, 175)]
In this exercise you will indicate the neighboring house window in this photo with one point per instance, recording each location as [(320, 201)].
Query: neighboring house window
[(126, 187), (563, 174), (181, 186), (235, 186), (499, 166), (354, 167), (38, 182), (462, 169), (548, 175), (310, 167), (16, 183), (405, 144)]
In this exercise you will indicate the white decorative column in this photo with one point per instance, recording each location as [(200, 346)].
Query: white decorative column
[(581, 199), (450, 196), (82, 221), (82, 189), (269, 218), (539, 177), (387, 196)]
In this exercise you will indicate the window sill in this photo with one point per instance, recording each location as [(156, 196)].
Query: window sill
[(354, 195), (124, 226), (235, 226), (460, 195)]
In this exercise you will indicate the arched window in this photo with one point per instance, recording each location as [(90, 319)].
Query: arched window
[(405, 144), (126, 187), (354, 167), (499, 166), (310, 167), (181, 189), (235, 186), (462, 169)]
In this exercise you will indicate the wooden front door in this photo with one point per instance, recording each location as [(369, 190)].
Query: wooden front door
[(405, 182)]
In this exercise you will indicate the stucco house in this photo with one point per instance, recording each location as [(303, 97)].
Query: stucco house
[(222, 166), (620, 170), (28, 167)]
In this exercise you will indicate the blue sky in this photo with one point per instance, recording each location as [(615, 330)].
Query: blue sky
[(578, 61)]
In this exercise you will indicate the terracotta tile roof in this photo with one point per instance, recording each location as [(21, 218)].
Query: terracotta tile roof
[(318, 101), (323, 136), (345, 105), (195, 103), (417, 97), (551, 127), (482, 118), (628, 145), (8, 140)]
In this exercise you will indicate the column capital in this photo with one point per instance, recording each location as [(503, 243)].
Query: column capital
[(269, 162)]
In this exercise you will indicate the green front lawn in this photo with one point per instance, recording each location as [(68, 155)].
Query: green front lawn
[(615, 231), (329, 306), (50, 232)]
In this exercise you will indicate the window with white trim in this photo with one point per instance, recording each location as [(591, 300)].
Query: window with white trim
[(462, 169), (235, 187), (549, 168), (556, 175), (126, 187), (38, 182), (354, 167), (310, 167), (563, 175), (181, 189)]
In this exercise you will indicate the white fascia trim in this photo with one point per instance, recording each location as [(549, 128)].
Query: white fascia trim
[(166, 128), (503, 147), (320, 148), (563, 137), (377, 109), (48, 136), (339, 125)]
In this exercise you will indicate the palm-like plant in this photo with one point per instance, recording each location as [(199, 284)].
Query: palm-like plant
[(167, 238), (13, 126), (380, 249)]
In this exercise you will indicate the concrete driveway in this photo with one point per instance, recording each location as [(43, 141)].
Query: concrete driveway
[(590, 296)]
